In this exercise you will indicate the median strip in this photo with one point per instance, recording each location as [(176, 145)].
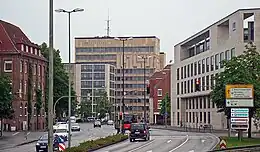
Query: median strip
[(92, 145)]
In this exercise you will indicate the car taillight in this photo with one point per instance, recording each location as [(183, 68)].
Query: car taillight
[(145, 132)]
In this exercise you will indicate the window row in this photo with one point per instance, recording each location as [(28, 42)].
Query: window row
[(132, 78), (199, 48), (88, 84), (198, 117), (206, 83), (31, 50), (135, 71), (205, 65), (116, 49), (131, 85), (96, 57)]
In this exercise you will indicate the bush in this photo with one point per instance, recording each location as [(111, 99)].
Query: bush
[(99, 143)]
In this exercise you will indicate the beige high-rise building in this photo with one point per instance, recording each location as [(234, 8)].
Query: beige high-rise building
[(199, 57), (108, 50)]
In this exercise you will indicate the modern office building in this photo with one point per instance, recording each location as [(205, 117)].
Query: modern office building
[(108, 50), (198, 58), (91, 80)]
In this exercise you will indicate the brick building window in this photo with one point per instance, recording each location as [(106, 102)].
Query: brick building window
[(159, 92), (8, 66)]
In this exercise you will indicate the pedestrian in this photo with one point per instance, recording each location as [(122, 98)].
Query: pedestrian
[(25, 135)]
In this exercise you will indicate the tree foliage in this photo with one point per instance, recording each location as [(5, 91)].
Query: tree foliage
[(60, 84), (165, 105), (29, 93), (104, 105), (243, 69), (38, 104)]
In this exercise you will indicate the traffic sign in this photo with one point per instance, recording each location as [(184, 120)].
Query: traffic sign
[(62, 147), (239, 120), (239, 91), (222, 144), (240, 115), (239, 110), (239, 103)]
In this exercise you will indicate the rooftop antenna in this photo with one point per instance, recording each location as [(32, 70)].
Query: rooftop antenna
[(108, 25)]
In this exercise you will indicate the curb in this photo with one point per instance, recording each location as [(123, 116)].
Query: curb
[(106, 145), (27, 142)]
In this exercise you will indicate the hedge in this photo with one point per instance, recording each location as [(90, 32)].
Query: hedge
[(92, 145)]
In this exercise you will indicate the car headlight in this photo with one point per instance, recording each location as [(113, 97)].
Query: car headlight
[(37, 144)]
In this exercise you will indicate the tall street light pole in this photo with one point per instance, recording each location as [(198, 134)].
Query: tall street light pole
[(144, 58), (50, 102), (122, 107), (69, 115)]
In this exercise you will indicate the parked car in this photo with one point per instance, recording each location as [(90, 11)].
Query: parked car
[(110, 122), (97, 123), (75, 127), (139, 131), (42, 144)]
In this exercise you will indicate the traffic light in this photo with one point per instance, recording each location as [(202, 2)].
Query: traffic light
[(120, 116), (197, 85), (148, 89)]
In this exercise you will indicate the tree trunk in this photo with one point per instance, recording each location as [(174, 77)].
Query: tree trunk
[(2, 127), (249, 134)]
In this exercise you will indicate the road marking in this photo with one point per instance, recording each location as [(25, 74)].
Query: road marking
[(187, 138), (142, 146), (191, 151), (150, 151), (169, 141), (28, 133), (202, 141), (15, 133)]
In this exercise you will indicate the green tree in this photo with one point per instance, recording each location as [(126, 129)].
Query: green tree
[(103, 104), (38, 105), (29, 94), (6, 97), (243, 69), (60, 84), (165, 104)]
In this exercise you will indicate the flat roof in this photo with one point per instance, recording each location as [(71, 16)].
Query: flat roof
[(109, 37), (248, 9)]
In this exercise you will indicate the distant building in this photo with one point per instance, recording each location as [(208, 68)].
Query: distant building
[(199, 57), (17, 52), (160, 84), (108, 50)]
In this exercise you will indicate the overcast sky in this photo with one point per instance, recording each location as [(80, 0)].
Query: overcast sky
[(170, 20)]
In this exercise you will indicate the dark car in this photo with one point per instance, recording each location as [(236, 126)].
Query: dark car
[(42, 144), (139, 131)]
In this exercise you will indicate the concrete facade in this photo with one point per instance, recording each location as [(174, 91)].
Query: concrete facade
[(198, 57)]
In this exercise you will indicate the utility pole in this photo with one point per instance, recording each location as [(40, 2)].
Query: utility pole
[(50, 102), (144, 93)]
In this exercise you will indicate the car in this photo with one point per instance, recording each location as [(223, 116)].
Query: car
[(139, 131), (62, 132), (75, 127), (42, 144), (110, 122), (97, 123)]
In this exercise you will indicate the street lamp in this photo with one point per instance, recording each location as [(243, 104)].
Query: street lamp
[(144, 58), (69, 115), (123, 99)]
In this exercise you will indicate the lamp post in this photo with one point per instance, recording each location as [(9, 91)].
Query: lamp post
[(144, 58), (69, 115), (50, 90), (122, 107)]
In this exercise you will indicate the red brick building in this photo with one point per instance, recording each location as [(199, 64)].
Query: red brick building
[(160, 84), (17, 52)]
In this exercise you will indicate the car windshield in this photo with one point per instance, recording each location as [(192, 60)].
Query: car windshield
[(137, 126), (44, 137), (60, 130)]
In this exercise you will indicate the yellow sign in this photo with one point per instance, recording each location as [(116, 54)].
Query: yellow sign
[(242, 91)]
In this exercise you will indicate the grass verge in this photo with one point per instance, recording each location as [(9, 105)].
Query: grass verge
[(234, 142), (92, 145)]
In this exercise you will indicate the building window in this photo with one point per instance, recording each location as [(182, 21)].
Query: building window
[(185, 72), (188, 70), (185, 87), (22, 47), (212, 81), (25, 67), (228, 55), (8, 66), (193, 117), (197, 103), (31, 50), (222, 58), (25, 87), (178, 74), (233, 53), (191, 69), (159, 92), (205, 117), (207, 64), (207, 82), (27, 49), (21, 66), (203, 66), (191, 85), (188, 86), (203, 83), (187, 117), (178, 103), (20, 89), (182, 87), (159, 104), (178, 118), (178, 88), (200, 103), (193, 103), (189, 103), (234, 26), (216, 61), (199, 67), (208, 103), (190, 116), (195, 68), (209, 120), (181, 72), (204, 102), (212, 63), (200, 117)]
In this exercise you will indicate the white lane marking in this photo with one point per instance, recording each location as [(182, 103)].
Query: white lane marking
[(202, 141), (169, 141), (191, 151), (28, 133), (187, 138), (142, 146), (15, 133), (150, 151)]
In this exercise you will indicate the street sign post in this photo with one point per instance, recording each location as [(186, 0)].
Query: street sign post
[(239, 118)]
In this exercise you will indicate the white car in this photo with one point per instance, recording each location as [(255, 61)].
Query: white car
[(62, 132), (97, 123), (110, 122), (75, 127)]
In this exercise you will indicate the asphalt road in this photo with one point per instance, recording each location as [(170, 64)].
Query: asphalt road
[(87, 133), (167, 141)]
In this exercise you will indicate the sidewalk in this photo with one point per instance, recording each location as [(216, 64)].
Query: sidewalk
[(213, 131), (11, 139)]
